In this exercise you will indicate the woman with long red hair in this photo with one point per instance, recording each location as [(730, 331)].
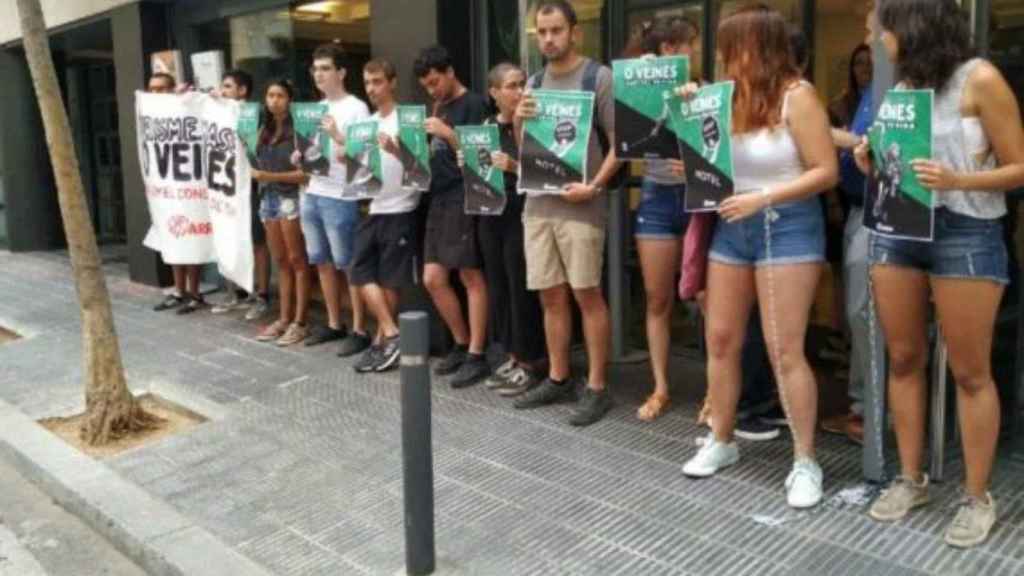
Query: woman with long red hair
[(770, 242)]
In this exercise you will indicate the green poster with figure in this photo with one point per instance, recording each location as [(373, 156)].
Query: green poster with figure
[(556, 141), (703, 126), (485, 182), (363, 176), (896, 204), (644, 89), (248, 129), (414, 151), (310, 138)]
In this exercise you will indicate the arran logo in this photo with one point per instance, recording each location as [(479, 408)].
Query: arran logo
[(180, 226)]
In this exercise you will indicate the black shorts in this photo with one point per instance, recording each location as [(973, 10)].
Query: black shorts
[(259, 235), (386, 251), (450, 238)]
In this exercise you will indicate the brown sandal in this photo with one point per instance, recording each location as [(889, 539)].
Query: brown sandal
[(653, 407)]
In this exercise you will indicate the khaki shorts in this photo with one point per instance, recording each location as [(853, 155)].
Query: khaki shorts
[(563, 251)]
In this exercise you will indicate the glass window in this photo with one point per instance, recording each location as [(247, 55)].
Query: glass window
[(789, 8), (589, 14), (1006, 41), (839, 28), (636, 16)]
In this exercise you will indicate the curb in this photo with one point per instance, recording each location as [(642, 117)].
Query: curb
[(145, 529)]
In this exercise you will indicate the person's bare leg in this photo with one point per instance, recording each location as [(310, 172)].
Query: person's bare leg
[(328, 275), (967, 314), (901, 295), (296, 249), (180, 284), (785, 295), (596, 332), (730, 296), (355, 302), (435, 280), (659, 260), (476, 293), (286, 276), (192, 274), (377, 302), (557, 329), (261, 258)]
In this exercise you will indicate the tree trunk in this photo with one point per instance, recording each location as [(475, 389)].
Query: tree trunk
[(110, 408)]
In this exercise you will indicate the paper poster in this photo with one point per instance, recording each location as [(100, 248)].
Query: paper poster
[(363, 176), (556, 142), (703, 127), (897, 204), (644, 89), (197, 181), (207, 70), (311, 140), (413, 147), (249, 129), (484, 182), (168, 62)]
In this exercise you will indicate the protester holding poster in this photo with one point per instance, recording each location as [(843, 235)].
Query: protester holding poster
[(660, 218), (770, 242), (186, 297), (279, 180), (450, 241), (328, 219), (977, 155), (565, 232)]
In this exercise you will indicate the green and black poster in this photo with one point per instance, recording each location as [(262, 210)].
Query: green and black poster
[(485, 182), (556, 141), (897, 204), (413, 147), (703, 125), (310, 138), (249, 128), (363, 177), (644, 89)]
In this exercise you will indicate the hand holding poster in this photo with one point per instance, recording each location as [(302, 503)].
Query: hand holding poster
[(644, 89), (703, 125), (414, 152), (897, 204), (484, 182), (311, 140), (556, 141), (363, 177)]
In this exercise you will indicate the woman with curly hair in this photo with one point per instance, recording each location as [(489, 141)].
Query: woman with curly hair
[(978, 154)]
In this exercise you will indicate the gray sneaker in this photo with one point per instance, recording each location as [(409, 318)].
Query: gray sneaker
[(258, 309), (902, 496), (501, 374), (229, 304), (972, 523)]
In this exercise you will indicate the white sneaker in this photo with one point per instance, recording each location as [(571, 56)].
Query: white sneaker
[(804, 484), (712, 457)]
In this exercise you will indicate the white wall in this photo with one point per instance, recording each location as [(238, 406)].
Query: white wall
[(56, 12)]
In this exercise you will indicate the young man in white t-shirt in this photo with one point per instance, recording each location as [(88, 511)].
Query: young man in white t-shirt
[(328, 222), (387, 243)]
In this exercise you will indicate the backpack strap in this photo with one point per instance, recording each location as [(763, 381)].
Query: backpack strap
[(590, 73), (536, 80)]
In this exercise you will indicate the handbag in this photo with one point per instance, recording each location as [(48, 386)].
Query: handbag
[(694, 260)]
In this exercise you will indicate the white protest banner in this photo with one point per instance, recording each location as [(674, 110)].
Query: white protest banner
[(197, 182)]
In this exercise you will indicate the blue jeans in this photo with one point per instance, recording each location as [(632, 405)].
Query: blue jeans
[(660, 215), (796, 231), (329, 225)]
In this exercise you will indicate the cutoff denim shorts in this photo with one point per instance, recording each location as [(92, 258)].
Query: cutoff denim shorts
[(329, 226), (273, 206), (660, 215), (963, 247), (794, 234)]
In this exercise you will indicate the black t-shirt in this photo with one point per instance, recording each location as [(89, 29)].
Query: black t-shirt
[(466, 110), (516, 201)]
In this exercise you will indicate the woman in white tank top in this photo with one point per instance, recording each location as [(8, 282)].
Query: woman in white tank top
[(770, 241), (978, 154)]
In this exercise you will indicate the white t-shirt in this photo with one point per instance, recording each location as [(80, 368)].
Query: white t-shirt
[(346, 110), (393, 199)]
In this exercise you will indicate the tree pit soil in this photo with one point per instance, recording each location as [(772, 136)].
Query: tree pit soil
[(7, 336), (171, 419)]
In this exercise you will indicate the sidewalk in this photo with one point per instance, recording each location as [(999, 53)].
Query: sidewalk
[(299, 468)]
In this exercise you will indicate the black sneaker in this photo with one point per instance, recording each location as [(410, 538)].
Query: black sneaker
[(518, 382), (369, 360), (390, 350), (451, 363), (755, 430), (171, 302), (774, 417), (593, 405), (193, 304), (322, 334), (547, 393), (473, 371), (353, 344)]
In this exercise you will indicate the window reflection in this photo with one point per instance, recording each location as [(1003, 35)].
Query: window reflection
[(589, 14)]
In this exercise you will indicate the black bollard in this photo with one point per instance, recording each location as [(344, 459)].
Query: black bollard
[(417, 456)]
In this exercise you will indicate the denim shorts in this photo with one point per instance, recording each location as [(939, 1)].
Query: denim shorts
[(795, 234), (660, 214), (963, 247), (273, 206), (329, 225)]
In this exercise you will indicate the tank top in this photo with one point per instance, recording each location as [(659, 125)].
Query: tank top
[(961, 144), (767, 157)]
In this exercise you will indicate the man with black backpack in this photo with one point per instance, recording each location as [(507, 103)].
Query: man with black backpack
[(565, 234)]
